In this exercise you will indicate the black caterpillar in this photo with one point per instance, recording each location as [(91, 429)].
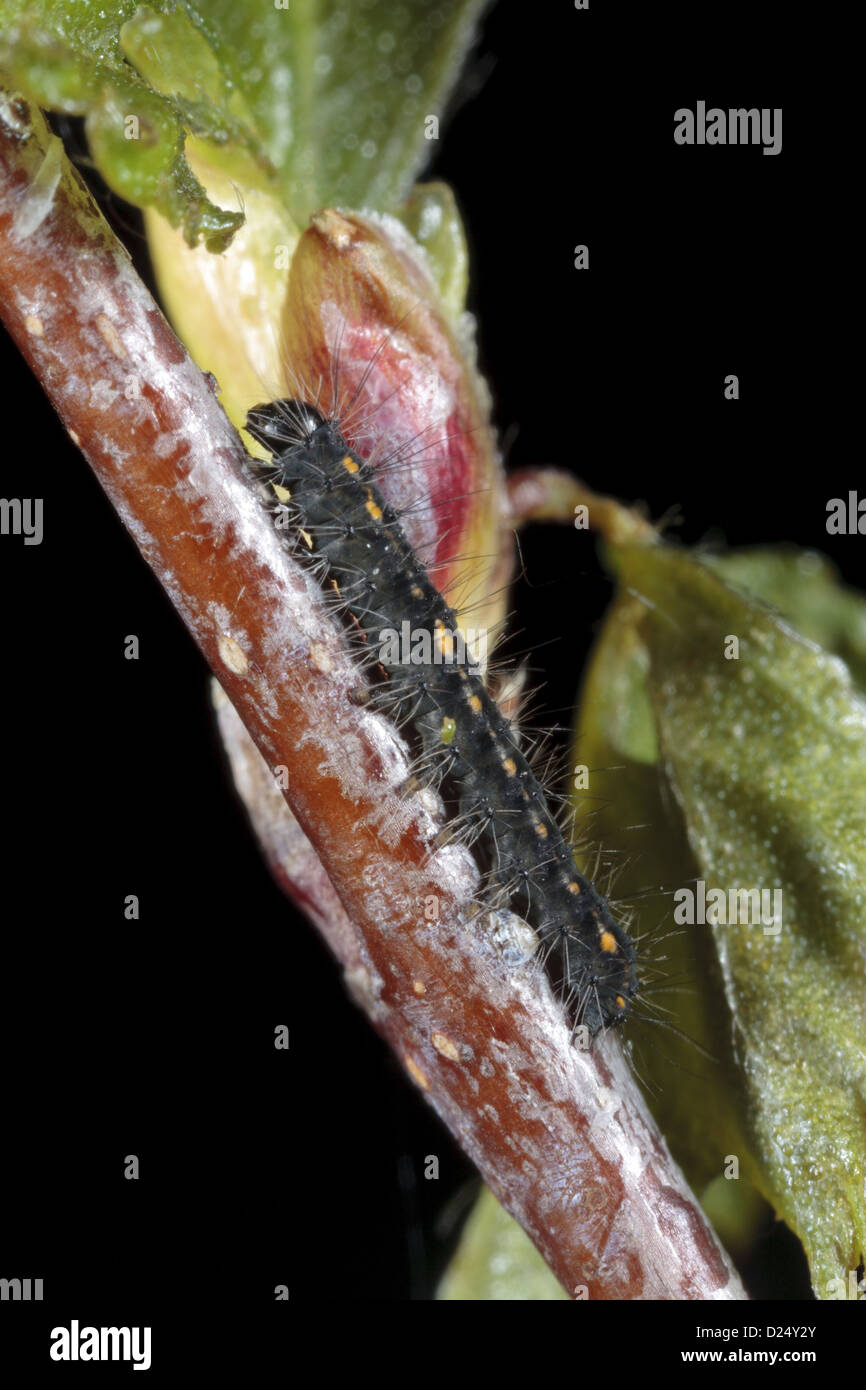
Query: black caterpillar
[(359, 544)]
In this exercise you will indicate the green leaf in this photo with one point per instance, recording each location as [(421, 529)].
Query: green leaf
[(342, 90), (806, 590), (69, 58), (759, 785), (690, 1074), (327, 101), (177, 60), (430, 214)]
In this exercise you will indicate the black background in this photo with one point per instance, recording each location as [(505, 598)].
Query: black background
[(156, 1038)]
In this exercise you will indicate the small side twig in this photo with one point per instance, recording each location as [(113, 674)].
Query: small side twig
[(549, 494)]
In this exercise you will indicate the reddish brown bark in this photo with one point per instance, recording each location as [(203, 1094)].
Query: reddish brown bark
[(562, 1137)]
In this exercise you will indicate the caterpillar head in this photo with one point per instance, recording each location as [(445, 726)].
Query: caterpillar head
[(278, 425)]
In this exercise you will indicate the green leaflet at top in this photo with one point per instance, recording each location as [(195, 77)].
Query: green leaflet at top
[(326, 102)]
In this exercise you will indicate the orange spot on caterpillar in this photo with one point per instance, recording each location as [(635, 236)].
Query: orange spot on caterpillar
[(509, 764), (373, 510), (444, 639), (620, 1002), (474, 704), (607, 941), (540, 829), (350, 465), (573, 888)]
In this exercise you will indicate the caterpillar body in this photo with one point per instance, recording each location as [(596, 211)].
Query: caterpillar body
[(357, 540)]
